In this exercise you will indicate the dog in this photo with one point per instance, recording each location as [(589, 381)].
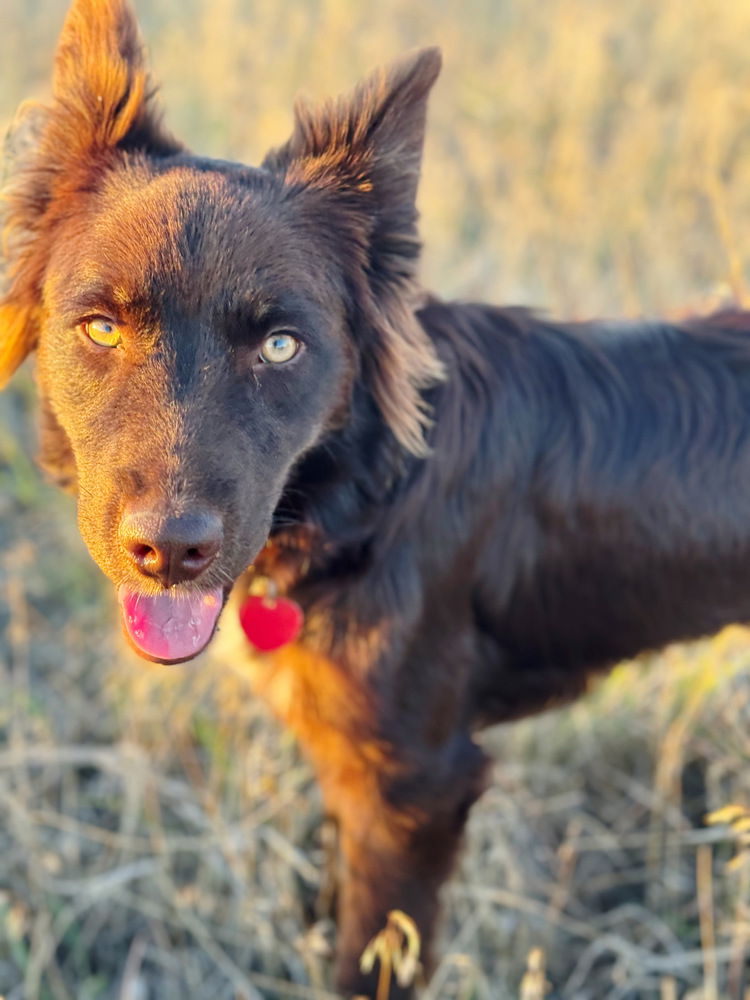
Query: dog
[(476, 509)]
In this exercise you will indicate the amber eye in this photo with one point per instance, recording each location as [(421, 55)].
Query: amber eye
[(103, 332), (280, 347)]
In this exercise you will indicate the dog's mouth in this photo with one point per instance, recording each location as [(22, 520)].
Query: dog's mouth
[(167, 627)]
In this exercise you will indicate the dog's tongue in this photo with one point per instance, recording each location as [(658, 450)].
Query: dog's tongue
[(169, 628)]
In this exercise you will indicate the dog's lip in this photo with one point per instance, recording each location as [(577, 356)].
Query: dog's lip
[(170, 627)]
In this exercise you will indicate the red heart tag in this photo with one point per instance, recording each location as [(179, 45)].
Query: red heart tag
[(270, 622)]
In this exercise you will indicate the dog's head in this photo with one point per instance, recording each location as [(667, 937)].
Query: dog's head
[(200, 325)]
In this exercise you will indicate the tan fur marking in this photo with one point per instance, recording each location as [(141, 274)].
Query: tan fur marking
[(17, 335)]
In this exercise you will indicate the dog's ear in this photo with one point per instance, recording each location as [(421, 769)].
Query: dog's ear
[(17, 337), (102, 108), (102, 93), (362, 156), (368, 143)]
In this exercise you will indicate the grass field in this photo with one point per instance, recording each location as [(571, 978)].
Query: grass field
[(159, 836)]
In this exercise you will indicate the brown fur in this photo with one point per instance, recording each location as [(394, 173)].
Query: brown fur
[(478, 509)]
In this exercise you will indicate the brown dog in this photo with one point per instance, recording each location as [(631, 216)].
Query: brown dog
[(475, 508)]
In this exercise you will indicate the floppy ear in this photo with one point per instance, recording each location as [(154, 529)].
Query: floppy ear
[(101, 109), (362, 154)]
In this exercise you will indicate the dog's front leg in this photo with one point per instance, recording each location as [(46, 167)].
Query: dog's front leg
[(399, 791), (399, 832)]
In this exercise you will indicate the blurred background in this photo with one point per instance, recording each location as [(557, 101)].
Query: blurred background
[(159, 835)]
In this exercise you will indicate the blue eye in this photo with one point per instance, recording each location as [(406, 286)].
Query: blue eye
[(279, 348)]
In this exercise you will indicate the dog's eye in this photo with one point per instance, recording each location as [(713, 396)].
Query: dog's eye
[(103, 332), (281, 346)]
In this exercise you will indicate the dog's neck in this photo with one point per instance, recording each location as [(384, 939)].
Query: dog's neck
[(335, 501)]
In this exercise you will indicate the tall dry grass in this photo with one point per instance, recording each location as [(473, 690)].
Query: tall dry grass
[(159, 837)]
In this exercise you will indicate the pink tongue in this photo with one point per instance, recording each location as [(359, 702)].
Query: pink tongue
[(169, 628)]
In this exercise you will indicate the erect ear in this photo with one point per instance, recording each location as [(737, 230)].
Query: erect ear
[(368, 145), (362, 154), (101, 88), (102, 108)]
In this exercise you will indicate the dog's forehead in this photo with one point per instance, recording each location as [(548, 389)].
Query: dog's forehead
[(187, 230)]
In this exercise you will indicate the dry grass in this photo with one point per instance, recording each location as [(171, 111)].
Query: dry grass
[(158, 835)]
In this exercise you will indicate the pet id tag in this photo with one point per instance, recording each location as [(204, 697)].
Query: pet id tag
[(270, 622)]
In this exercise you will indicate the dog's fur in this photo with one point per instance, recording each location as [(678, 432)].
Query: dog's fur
[(478, 509)]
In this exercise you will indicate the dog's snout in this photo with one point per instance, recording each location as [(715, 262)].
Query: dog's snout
[(171, 549)]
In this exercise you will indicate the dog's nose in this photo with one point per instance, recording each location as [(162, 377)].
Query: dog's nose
[(171, 549)]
